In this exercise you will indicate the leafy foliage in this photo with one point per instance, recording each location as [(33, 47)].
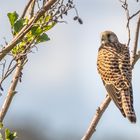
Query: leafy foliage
[(8, 135), (12, 18), (35, 36), (16, 23), (42, 38)]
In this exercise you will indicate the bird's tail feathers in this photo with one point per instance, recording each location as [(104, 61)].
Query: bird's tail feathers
[(127, 105)]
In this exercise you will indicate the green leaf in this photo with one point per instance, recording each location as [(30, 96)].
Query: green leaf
[(1, 125), (42, 38), (29, 37), (7, 133), (13, 136), (51, 25), (10, 135), (36, 30), (19, 48), (48, 18), (19, 25), (12, 18)]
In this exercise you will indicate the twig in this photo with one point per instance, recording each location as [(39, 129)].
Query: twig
[(135, 56), (3, 68), (134, 14), (26, 8), (125, 6), (11, 91), (32, 7), (92, 128), (8, 72)]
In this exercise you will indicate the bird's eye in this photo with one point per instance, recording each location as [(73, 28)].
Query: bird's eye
[(108, 35)]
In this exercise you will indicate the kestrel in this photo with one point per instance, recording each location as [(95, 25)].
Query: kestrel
[(113, 64)]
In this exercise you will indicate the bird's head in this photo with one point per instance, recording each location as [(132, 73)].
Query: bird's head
[(108, 37)]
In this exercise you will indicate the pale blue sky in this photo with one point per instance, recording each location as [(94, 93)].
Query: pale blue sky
[(61, 88)]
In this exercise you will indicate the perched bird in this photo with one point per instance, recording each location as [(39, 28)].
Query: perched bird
[(113, 64)]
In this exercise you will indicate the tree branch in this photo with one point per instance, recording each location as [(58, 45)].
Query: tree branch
[(26, 29), (11, 91), (99, 112)]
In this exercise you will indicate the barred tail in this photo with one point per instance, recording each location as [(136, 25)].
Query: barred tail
[(127, 105)]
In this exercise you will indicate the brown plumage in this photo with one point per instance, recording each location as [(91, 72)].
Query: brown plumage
[(113, 64)]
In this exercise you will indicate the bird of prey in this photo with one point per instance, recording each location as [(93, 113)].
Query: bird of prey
[(113, 64)]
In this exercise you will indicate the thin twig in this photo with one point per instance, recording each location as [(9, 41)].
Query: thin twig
[(32, 7), (8, 72), (125, 7), (11, 91), (3, 68), (135, 56), (26, 8), (134, 14)]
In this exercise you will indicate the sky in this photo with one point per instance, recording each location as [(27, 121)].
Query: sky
[(61, 88)]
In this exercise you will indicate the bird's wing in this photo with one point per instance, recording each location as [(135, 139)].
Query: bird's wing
[(125, 66), (115, 96)]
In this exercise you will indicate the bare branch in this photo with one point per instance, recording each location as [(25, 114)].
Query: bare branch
[(92, 127), (134, 14), (135, 56), (11, 91), (125, 7), (8, 72)]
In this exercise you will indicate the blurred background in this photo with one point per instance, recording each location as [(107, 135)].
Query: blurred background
[(61, 89)]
